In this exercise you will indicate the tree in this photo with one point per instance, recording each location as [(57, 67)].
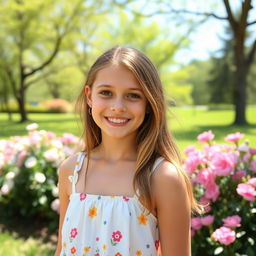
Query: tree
[(32, 34), (243, 58)]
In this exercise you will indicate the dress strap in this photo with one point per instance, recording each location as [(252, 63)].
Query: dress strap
[(78, 166), (156, 163)]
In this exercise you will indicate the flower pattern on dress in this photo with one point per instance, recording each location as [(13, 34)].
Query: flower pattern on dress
[(92, 212), (82, 196), (142, 219), (103, 225)]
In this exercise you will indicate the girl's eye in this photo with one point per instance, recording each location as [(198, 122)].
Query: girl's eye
[(105, 93), (134, 96)]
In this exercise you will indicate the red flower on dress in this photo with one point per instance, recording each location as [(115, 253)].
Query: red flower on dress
[(117, 236), (73, 250), (118, 254), (125, 198), (73, 232), (82, 196)]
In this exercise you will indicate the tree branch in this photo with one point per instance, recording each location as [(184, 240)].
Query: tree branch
[(251, 23), (231, 19)]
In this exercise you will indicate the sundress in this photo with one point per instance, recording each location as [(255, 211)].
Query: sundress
[(104, 225)]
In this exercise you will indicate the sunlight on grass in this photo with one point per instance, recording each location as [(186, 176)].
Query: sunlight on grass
[(11, 245)]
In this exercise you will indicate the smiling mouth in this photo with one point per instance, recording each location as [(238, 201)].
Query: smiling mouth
[(117, 121)]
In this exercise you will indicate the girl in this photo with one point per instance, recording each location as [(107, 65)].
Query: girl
[(130, 195)]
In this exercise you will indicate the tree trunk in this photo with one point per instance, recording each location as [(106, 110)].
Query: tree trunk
[(22, 110), (240, 96)]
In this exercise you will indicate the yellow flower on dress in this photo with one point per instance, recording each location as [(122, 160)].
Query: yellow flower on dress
[(142, 219), (92, 212), (112, 197), (104, 247), (87, 249), (64, 244), (138, 253)]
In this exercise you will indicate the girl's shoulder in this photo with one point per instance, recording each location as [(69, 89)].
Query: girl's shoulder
[(66, 168)]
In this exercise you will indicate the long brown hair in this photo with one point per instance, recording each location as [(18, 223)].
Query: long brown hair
[(153, 137)]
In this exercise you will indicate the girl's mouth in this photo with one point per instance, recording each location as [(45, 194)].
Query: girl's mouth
[(116, 121)]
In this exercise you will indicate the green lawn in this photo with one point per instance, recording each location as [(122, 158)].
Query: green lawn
[(186, 124)]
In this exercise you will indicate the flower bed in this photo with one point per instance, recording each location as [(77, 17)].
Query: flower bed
[(224, 180)]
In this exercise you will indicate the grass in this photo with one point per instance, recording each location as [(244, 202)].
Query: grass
[(14, 246), (186, 125)]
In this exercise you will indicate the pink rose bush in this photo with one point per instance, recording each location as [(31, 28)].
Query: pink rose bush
[(224, 181), (28, 172)]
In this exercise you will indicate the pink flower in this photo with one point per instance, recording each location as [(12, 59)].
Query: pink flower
[(73, 232), (224, 163), (234, 137), (205, 176), (246, 191), (21, 157), (253, 166), (189, 149), (205, 136), (232, 221), (212, 191), (117, 236), (206, 203), (252, 182), (196, 223), (252, 151), (224, 235), (207, 220), (192, 161), (239, 175), (126, 199), (82, 196)]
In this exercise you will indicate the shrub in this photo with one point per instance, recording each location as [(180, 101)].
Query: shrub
[(58, 106), (28, 173), (224, 180)]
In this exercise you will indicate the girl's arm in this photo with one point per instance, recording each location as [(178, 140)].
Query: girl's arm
[(65, 170), (173, 211)]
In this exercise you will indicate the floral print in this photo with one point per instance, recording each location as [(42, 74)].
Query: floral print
[(100, 225)]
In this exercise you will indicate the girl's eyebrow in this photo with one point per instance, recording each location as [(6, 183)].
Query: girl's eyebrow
[(107, 85)]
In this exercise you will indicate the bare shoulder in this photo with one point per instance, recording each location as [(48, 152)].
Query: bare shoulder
[(168, 182), (68, 165)]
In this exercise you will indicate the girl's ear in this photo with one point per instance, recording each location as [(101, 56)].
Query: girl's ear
[(87, 91)]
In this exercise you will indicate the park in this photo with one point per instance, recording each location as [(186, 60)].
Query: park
[(46, 50)]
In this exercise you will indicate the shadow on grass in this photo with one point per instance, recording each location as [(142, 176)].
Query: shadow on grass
[(25, 229)]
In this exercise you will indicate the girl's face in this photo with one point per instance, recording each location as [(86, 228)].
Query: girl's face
[(117, 101)]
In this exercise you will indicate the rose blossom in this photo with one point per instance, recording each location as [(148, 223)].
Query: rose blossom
[(207, 220), (205, 136), (232, 221), (193, 160), (224, 235), (252, 151), (189, 149), (55, 205), (239, 175), (205, 176), (246, 191), (234, 137), (212, 191), (40, 177), (196, 223), (253, 166), (30, 162), (252, 182), (223, 164)]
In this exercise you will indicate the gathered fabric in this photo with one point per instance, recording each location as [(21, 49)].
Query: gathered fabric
[(105, 225)]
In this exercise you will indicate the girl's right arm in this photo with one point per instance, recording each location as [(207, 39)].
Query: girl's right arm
[(65, 170)]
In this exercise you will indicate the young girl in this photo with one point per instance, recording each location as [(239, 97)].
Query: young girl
[(125, 193)]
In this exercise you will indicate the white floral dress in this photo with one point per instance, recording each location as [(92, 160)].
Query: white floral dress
[(100, 225)]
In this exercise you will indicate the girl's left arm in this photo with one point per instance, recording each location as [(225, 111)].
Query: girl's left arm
[(173, 210)]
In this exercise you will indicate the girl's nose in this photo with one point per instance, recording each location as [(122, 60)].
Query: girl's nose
[(118, 106)]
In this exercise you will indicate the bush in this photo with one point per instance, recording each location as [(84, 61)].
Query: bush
[(28, 168), (58, 106), (224, 179)]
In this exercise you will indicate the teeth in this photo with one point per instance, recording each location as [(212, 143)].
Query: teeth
[(118, 121)]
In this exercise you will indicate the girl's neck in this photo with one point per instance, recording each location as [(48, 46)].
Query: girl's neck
[(112, 150)]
